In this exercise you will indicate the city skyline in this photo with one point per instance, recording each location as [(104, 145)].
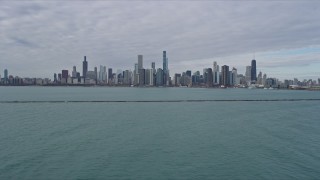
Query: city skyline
[(43, 37)]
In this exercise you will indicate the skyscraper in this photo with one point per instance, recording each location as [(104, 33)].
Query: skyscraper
[(140, 61), (210, 77), (165, 68), (142, 74), (110, 76), (215, 72), (65, 74), (248, 74), (225, 75), (74, 72), (6, 76), (253, 71), (84, 67)]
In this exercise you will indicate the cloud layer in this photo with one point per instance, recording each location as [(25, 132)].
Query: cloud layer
[(41, 38)]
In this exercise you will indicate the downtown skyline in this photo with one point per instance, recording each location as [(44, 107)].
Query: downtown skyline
[(42, 37)]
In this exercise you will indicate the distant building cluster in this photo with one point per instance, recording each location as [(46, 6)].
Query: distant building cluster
[(216, 76)]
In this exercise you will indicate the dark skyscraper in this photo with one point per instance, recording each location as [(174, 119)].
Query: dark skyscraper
[(188, 73), (225, 75), (210, 77), (110, 76), (253, 71), (142, 76), (65, 74), (84, 67), (165, 68)]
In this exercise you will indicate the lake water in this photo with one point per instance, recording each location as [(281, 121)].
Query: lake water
[(147, 135)]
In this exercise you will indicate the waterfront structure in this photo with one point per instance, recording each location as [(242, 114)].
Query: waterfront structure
[(74, 72), (225, 75), (84, 67), (253, 71)]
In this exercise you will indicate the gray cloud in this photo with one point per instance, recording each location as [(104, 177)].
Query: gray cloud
[(55, 35)]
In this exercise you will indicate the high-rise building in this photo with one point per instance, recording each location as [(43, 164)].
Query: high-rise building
[(74, 72), (149, 77), (55, 77), (84, 67), (65, 74), (225, 75), (153, 66), (248, 74), (188, 73), (177, 79), (159, 78), (140, 61), (234, 76), (215, 72), (142, 73), (96, 74), (165, 68), (110, 76), (253, 71), (6, 79), (209, 77)]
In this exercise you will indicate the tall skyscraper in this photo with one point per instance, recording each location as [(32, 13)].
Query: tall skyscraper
[(6, 76), (159, 78), (225, 75), (142, 75), (74, 72), (253, 71), (84, 67), (165, 68), (215, 73), (110, 76), (140, 61), (210, 77)]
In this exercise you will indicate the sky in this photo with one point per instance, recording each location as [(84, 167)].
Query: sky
[(40, 38)]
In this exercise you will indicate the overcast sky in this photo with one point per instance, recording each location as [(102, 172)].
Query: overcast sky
[(39, 38)]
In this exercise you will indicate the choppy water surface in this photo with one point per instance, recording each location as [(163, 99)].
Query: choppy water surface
[(140, 137)]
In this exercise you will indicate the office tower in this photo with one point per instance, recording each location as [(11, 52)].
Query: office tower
[(209, 77), (55, 77), (215, 72), (96, 74), (165, 68), (59, 77), (234, 76), (188, 73), (259, 79), (65, 74), (74, 72), (253, 71), (84, 67), (142, 77), (153, 66), (159, 77), (110, 77), (264, 79), (6, 76), (140, 62), (149, 77), (225, 75), (136, 74), (248, 74), (102, 74), (177, 78)]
